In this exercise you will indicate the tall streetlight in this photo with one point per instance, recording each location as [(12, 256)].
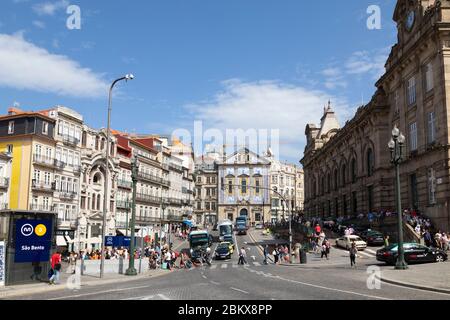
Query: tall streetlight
[(396, 146), (106, 198), (131, 271)]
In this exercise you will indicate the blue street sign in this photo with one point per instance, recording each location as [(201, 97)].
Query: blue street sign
[(33, 240), (118, 241)]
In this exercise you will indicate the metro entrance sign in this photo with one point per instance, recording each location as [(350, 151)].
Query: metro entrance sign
[(118, 241), (33, 240)]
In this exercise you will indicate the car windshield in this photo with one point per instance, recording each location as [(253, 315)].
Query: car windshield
[(223, 246), (226, 230), (355, 239)]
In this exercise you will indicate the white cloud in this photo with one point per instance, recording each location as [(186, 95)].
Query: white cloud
[(39, 24), (361, 62), (25, 66), (334, 78), (268, 105), (49, 8)]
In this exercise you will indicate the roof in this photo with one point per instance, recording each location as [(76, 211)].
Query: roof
[(14, 113)]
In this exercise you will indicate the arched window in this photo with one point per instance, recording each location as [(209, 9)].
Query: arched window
[(336, 176), (354, 170), (93, 201), (98, 202), (370, 162), (344, 174), (328, 182), (322, 185)]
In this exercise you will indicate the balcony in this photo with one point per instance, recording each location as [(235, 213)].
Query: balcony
[(70, 140), (63, 195), (175, 201), (165, 166), (4, 183), (147, 198), (43, 186), (59, 165), (76, 169), (48, 162), (146, 220), (125, 184), (150, 177), (67, 222), (42, 208), (123, 205), (165, 183), (176, 167)]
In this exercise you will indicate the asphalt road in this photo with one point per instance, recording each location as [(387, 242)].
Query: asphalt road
[(225, 280)]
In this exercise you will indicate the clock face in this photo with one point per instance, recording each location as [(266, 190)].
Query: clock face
[(410, 20)]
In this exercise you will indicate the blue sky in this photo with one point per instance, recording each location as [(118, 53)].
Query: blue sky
[(231, 63)]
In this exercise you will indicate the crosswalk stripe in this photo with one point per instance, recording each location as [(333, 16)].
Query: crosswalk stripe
[(371, 251), (214, 266), (256, 264), (365, 254), (235, 266), (224, 266)]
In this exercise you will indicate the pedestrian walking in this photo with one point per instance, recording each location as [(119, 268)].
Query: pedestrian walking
[(324, 251), (266, 253), (242, 256), (55, 262), (275, 255), (353, 254), (168, 259), (386, 241)]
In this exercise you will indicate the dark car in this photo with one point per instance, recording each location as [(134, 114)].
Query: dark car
[(414, 253), (223, 251), (372, 237)]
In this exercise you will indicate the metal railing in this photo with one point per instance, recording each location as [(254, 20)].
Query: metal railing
[(59, 164), (43, 186), (68, 195), (150, 177), (147, 198), (123, 204), (124, 184), (42, 159), (176, 167), (4, 182), (41, 207), (70, 140), (175, 201)]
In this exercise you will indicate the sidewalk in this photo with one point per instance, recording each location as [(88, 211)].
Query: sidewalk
[(76, 282), (431, 276)]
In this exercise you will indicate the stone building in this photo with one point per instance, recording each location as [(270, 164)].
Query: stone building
[(244, 187), (348, 170)]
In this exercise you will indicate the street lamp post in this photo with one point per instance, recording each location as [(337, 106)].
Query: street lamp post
[(106, 198), (396, 146), (131, 271), (127, 221)]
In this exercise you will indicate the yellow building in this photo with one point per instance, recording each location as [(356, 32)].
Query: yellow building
[(28, 138)]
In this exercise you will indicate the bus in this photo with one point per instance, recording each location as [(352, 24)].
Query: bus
[(226, 231), (241, 225)]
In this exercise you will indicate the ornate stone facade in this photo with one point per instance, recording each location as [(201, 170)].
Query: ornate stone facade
[(348, 170)]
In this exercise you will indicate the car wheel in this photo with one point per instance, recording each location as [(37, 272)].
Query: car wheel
[(440, 258)]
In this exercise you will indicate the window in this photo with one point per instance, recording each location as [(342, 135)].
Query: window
[(431, 186), (11, 127), (429, 83), (244, 186), (354, 171), (230, 187), (370, 163), (431, 127), (213, 206), (344, 174), (257, 187), (412, 91), (413, 136), (45, 127), (336, 176), (396, 102)]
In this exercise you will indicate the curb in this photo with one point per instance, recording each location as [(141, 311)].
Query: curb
[(413, 286), (4, 294)]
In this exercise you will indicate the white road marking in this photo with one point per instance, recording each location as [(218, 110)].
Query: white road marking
[(164, 297), (224, 266), (204, 277), (256, 264), (99, 292), (216, 283), (371, 251), (235, 266), (239, 290), (365, 254), (214, 266)]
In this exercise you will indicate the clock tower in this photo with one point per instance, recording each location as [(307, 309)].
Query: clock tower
[(408, 15)]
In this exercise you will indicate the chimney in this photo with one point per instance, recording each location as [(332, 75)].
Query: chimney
[(13, 111)]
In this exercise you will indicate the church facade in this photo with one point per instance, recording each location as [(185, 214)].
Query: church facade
[(348, 169)]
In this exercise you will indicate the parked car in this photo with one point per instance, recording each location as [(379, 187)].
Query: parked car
[(414, 253), (223, 251), (346, 242), (372, 237)]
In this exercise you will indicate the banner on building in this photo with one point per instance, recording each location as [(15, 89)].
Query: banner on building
[(33, 240), (118, 241), (2, 263)]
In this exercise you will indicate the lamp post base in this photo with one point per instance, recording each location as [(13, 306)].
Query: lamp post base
[(401, 265), (131, 272)]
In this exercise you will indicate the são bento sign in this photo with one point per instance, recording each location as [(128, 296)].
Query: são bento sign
[(33, 240)]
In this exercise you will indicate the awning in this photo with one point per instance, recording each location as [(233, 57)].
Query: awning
[(60, 241)]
